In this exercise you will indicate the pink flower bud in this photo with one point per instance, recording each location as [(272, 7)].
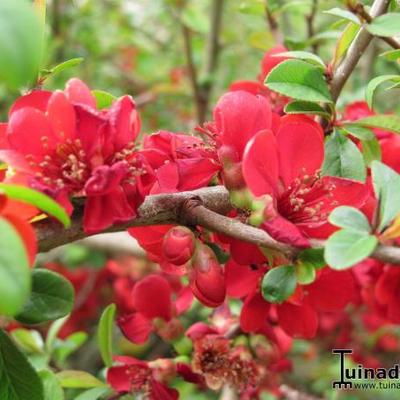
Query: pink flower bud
[(178, 245), (206, 278)]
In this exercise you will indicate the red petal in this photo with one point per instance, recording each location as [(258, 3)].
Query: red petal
[(36, 99), (118, 378), (245, 253), (239, 116), (254, 313), (269, 61), (301, 147), (184, 300), (27, 129), (78, 93), (152, 297), (158, 391), (195, 173), (260, 164), (241, 280), (332, 290), (298, 321), (61, 115), (283, 230), (252, 87), (135, 327)]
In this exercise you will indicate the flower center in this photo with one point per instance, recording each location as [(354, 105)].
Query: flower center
[(306, 199)]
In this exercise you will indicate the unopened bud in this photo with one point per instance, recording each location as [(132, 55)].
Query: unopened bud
[(178, 245)]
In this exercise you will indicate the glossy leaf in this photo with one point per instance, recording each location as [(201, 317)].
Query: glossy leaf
[(52, 297), (388, 122), (349, 217), (279, 283), (305, 107), (15, 276), (373, 85), (51, 385), (37, 199), (299, 80), (342, 158), (103, 99), (347, 247), (386, 183), (302, 55), (345, 14), (18, 379), (385, 25), (29, 340), (345, 41), (371, 150), (78, 380), (104, 334)]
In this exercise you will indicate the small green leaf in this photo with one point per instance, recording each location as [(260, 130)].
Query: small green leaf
[(305, 274), (78, 380), (299, 80), (279, 283), (18, 379), (388, 122), (37, 199), (104, 334), (52, 297), (358, 131), (64, 348), (28, 340), (73, 62), (343, 158), (374, 83), (302, 55), (305, 107), (385, 25), (347, 247), (391, 55), (345, 41), (103, 99), (386, 184), (53, 332), (371, 150), (349, 217), (313, 257), (345, 14), (51, 386), (15, 277)]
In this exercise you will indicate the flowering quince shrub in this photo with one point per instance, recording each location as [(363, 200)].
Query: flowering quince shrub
[(270, 232)]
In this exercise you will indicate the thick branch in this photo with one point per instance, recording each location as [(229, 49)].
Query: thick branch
[(355, 51), (204, 207)]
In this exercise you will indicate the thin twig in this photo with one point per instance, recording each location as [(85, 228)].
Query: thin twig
[(310, 24), (273, 26), (204, 207), (355, 51)]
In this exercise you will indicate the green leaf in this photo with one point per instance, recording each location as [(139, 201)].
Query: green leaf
[(313, 257), (302, 55), (94, 394), (388, 122), (103, 99), (386, 183), (374, 83), (37, 199), (349, 217), (279, 283), (28, 340), (305, 107), (15, 277), (51, 386), (73, 62), (371, 150), (299, 80), (305, 274), (342, 158), (345, 14), (385, 25), (104, 334), (20, 43), (344, 42), (358, 131), (391, 55), (64, 348), (52, 297), (348, 247), (18, 379), (53, 332), (78, 380)]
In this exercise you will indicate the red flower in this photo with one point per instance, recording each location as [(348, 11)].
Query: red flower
[(298, 316), (286, 167), (155, 310), (181, 162), (387, 293), (133, 375), (69, 148)]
